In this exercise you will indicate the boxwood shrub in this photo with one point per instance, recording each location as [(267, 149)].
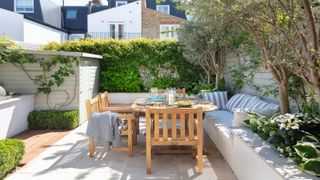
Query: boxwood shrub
[(53, 119), (11, 153), (136, 65)]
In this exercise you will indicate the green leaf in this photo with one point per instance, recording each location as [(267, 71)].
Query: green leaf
[(312, 166), (306, 150), (310, 138)]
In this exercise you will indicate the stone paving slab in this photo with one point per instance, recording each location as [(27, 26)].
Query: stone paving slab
[(68, 159)]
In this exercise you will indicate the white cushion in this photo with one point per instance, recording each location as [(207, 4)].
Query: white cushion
[(219, 98), (221, 117)]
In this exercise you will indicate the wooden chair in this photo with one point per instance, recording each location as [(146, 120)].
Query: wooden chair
[(94, 106), (181, 91), (122, 109), (188, 133)]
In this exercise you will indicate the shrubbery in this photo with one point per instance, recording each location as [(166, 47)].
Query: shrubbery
[(136, 65), (52, 119), (296, 136), (11, 153)]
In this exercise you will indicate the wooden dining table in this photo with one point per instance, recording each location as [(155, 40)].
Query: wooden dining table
[(140, 105)]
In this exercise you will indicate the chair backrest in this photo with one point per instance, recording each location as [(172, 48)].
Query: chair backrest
[(173, 125), (92, 106), (104, 100), (181, 91)]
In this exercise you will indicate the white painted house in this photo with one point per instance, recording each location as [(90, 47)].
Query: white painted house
[(120, 22)]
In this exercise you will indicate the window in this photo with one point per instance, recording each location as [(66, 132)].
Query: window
[(121, 31), (169, 31), (24, 6), (120, 3), (116, 31), (71, 14), (112, 31), (163, 8)]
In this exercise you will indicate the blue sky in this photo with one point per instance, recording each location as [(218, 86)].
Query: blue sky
[(73, 2)]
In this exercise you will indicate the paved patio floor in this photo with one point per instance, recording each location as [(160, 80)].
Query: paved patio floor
[(68, 159)]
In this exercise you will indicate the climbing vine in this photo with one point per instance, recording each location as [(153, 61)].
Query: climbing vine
[(52, 72)]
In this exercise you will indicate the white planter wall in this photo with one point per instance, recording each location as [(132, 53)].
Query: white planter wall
[(126, 98), (249, 156), (14, 115)]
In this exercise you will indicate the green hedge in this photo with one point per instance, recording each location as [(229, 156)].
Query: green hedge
[(136, 65), (52, 119), (11, 153)]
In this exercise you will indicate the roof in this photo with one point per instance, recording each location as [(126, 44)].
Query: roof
[(79, 24), (65, 53)]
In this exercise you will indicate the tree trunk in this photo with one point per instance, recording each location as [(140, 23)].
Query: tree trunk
[(317, 92), (208, 77), (218, 75), (284, 97)]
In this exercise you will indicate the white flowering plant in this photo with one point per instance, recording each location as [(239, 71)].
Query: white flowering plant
[(285, 130)]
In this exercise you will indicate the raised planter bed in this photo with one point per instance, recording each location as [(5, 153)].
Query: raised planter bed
[(249, 156), (13, 115)]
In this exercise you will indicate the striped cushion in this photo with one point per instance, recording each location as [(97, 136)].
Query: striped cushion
[(257, 104), (218, 98), (239, 101), (260, 104)]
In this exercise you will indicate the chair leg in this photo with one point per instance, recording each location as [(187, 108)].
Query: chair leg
[(134, 130), (148, 157), (91, 147), (130, 133), (200, 162)]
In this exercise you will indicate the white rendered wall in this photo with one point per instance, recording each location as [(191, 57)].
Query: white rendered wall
[(129, 15), (14, 115), (11, 25), (126, 98), (40, 34), (89, 84), (52, 13)]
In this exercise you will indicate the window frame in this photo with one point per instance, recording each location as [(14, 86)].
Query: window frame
[(117, 3), (24, 11), (170, 35), (160, 6)]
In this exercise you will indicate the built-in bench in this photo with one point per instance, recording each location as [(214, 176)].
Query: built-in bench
[(249, 156)]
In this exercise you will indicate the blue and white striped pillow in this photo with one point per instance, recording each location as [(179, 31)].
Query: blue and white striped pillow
[(239, 101), (218, 98)]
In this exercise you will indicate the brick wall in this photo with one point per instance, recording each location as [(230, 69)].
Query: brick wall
[(152, 19)]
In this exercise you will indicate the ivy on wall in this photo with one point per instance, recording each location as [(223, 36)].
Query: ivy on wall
[(136, 65), (52, 73)]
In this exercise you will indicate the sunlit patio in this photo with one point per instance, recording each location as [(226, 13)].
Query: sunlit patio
[(69, 159)]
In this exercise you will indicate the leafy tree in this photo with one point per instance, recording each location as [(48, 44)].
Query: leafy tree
[(207, 37)]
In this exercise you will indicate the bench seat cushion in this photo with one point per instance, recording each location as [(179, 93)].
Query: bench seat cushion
[(221, 117)]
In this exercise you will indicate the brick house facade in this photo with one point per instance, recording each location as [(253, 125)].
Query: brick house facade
[(152, 20)]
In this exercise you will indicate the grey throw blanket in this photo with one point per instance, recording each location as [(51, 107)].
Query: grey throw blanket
[(104, 129)]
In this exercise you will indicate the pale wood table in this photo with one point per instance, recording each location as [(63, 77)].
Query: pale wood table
[(139, 107)]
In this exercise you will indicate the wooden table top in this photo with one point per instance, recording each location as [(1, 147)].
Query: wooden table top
[(140, 105)]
